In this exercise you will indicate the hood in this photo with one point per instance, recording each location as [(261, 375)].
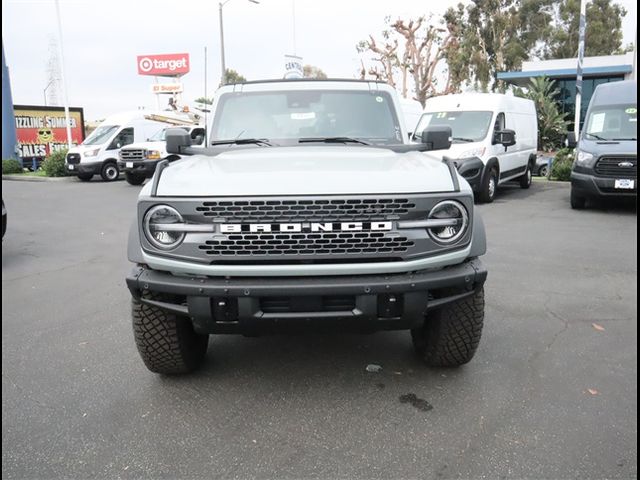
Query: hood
[(84, 148), (598, 148), (305, 170), (461, 150)]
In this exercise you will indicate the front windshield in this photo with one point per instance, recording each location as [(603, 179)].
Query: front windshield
[(613, 122), (465, 126), (100, 135), (292, 115)]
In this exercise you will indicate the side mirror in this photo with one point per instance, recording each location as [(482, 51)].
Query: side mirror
[(437, 138), (506, 137), (177, 139), (571, 141)]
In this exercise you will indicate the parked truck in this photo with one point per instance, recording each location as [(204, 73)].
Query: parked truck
[(309, 209)]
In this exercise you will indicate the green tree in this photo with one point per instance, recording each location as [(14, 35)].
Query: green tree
[(552, 125), (602, 37), (231, 76), (204, 100), (309, 71), (495, 36)]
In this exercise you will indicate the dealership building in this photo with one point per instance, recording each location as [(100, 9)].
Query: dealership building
[(596, 70)]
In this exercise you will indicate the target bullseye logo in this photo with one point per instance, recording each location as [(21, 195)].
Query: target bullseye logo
[(164, 65), (146, 64)]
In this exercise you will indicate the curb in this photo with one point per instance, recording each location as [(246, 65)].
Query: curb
[(25, 178)]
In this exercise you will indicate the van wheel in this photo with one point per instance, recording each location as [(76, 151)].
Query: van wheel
[(578, 202), (134, 179), (110, 172), (489, 186), (525, 180), (85, 177), (544, 170)]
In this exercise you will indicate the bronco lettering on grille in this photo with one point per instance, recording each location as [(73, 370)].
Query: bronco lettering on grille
[(305, 227)]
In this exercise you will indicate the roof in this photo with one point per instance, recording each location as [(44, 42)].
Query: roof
[(615, 93), (609, 65), (478, 102), (282, 80)]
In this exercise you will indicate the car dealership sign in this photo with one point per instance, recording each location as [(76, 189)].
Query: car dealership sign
[(167, 65)]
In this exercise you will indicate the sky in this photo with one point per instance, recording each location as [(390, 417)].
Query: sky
[(101, 40)]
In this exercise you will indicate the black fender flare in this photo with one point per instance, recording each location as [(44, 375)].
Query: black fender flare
[(492, 162), (134, 250), (478, 236)]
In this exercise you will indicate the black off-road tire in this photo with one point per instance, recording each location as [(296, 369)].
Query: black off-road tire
[(133, 179), (578, 202), (85, 177), (527, 178), (110, 171), (166, 342), (451, 334), (488, 190)]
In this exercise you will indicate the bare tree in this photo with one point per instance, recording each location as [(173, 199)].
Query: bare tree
[(410, 50)]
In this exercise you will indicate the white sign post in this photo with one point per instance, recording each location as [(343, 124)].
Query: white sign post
[(293, 66)]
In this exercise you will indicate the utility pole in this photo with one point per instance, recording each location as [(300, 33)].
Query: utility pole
[(581, 34), (64, 84)]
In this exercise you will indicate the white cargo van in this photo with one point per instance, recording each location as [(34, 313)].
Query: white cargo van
[(494, 137), (98, 154), (412, 112)]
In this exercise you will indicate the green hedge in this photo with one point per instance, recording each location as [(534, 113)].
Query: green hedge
[(53, 165), (562, 165), (11, 165)]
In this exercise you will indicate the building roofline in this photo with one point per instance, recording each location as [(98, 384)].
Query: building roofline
[(566, 72)]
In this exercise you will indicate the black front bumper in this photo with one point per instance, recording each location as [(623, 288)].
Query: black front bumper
[(363, 302), (84, 168), (138, 167), (593, 186)]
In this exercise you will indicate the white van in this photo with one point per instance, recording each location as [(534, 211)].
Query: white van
[(412, 112), (494, 137), (98, 153)]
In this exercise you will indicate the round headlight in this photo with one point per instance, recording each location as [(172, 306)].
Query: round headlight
[(458, 218), (157, 227)]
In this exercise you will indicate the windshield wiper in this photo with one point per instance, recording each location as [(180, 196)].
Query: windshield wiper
[(597, 137), (243, 141), (634, 139), (462, 139), (332, 140)]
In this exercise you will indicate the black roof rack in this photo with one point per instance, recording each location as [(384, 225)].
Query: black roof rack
[(279, 80)]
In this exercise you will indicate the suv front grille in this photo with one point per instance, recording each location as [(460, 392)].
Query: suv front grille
[(132, 154), (73, 158), (326, 210), (610, 167), (324, 243)]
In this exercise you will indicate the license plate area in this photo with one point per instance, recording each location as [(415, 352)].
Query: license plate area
[(625, 184), (129, 164)]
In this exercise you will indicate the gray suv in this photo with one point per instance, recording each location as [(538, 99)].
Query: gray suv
[(309, 210)]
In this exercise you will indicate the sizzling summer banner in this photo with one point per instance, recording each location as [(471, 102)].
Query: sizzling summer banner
[(42, 130)]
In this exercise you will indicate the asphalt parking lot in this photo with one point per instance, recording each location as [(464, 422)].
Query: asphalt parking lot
[(548, 395)]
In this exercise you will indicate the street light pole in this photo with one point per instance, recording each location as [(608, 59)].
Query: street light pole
[(581, 33), (223, 80)]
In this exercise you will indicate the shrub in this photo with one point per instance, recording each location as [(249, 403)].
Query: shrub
[(11, 165), (562, 164), (53, 165)]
